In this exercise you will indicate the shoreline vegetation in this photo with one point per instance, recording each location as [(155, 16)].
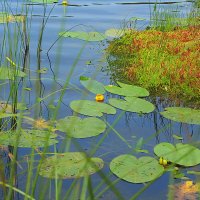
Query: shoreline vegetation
[(166, 62)]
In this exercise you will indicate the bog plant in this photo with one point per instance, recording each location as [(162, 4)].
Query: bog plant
[(163, 61)]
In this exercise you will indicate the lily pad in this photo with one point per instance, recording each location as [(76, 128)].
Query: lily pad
[(44, 1), (28, 138), (132, 104), (127, 90), (6, 18), (81, 128), (88, 36), (185, 115), (131, 169), (70, 165), (113, 32), (92, 85), (182, 154), (91, 108), (8, 73)]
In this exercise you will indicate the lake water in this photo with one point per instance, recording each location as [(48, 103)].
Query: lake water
[(91, 15)]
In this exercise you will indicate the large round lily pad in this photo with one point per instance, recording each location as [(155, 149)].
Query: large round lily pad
[(182, 154), (81, 128), (132, 104), (127, 90), (70, 165), (91, 108), (28, 138), (131, 169), (185, 115), (8, 73), (88, 36), (92, 85)]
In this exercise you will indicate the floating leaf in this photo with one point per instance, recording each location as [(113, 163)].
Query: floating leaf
[(91, 108), (88, 36), (6, 18), (185, 115), (70, 165), (132, 104), (113, 32), (127, 90), (44, 1), (131, 169), (136, 19), (81, 128), (7, 73), (28, 138), (182, 154), (193, 172), (92, 85), (177, 137)]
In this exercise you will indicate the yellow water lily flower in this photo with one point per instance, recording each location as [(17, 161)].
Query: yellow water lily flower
[(99, 98), (163, 161), (64, 3)]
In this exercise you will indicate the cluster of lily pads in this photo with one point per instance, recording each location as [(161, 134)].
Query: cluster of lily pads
[(127, 166), (79, 164)]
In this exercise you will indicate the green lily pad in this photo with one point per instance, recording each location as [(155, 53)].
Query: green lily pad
[(7, 18), (185, 115), (113, 32), (92, 85), (88, 36), (136, 19), (44, 1), (70, 165), (81, 128), (91, 108), (131, 169), (182, 154), (28, 138), (8, 73), (127, 90), (132, 104)]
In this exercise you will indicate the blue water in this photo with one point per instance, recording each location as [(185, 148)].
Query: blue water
[(91, 15)]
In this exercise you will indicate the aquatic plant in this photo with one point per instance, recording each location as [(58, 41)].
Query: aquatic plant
[(163, 61)]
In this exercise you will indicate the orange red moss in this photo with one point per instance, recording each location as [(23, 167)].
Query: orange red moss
[(167, 61)]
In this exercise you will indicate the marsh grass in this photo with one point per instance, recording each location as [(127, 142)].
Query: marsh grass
[(163, 59)]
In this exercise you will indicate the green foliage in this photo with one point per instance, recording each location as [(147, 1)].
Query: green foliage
[(185, 115), (70, 165), (91, 108), (132, 104), (92, 85), (8, 73), (28, 138), (88, 36), (81, 128), (131, 169), (182, 154), (127, 90)]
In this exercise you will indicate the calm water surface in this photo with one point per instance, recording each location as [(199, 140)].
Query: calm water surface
[(100, 15)]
